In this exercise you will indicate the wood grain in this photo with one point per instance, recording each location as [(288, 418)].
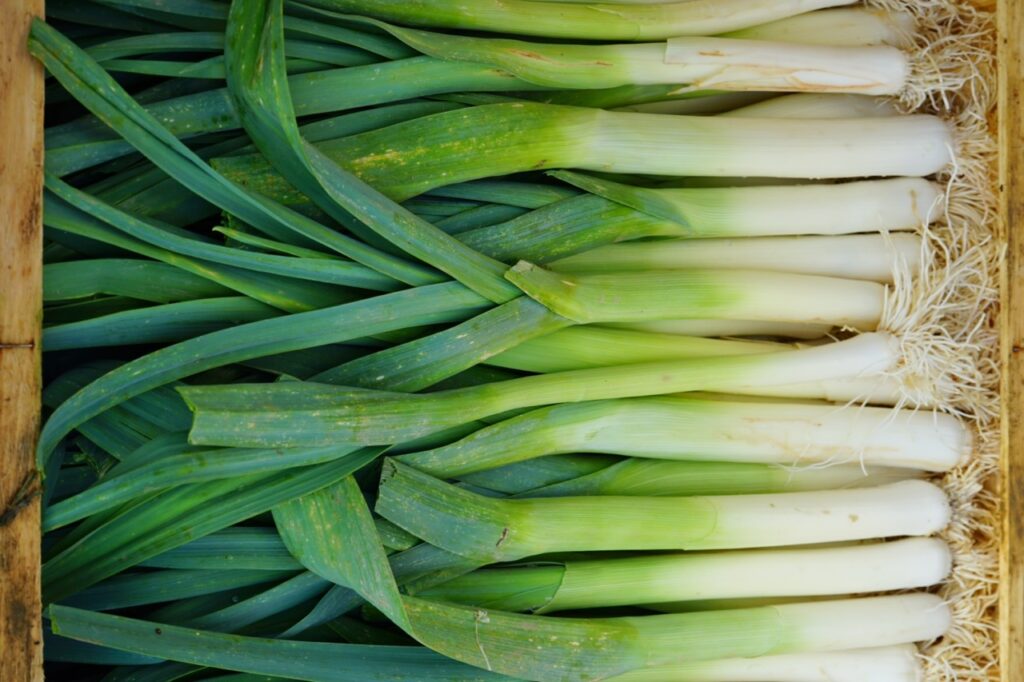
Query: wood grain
[(1011, 179), (21, 150)]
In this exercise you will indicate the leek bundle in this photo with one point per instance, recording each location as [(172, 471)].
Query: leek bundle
[(374, 336)]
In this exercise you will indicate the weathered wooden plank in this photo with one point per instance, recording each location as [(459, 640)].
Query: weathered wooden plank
[(1011, 179), (21, 150)]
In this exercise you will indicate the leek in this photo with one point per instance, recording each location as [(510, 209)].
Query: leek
[(157, 324), (692, 429), (492, 530), (726, 294), (699, 63), (590, 22), (651, 477), (739, 64), (665, 640), (141, 279), (841, 26), (817, 106), (137, 589), (499, 139), (866, 206), (591, 346), (313, 660), (237, 547), (876, 567), (308, 414), (731, 328), (665, 102), (567, 227), (874, 258)]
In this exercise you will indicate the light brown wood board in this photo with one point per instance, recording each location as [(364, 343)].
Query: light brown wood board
[(1011, 185), (21, 151)]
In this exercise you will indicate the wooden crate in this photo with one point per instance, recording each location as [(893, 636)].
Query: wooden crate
[(21, 145)]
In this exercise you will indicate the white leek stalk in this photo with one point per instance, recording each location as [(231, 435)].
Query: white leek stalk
[(857, 623), (867, 389), (805, 572), (815, 105), (842, 26), (914, 508), (880, 664), (871, 257), (891, 205), (809, 629), (734, 64), (915, 145)]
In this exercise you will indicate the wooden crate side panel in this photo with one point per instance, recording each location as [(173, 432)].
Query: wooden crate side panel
[(1011, 179), (21, 150)]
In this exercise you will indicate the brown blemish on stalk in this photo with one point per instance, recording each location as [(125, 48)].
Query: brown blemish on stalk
[(503, 537), (528, 54)]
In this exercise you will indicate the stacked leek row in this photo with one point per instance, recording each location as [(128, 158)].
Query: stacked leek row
[(639, 418)]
